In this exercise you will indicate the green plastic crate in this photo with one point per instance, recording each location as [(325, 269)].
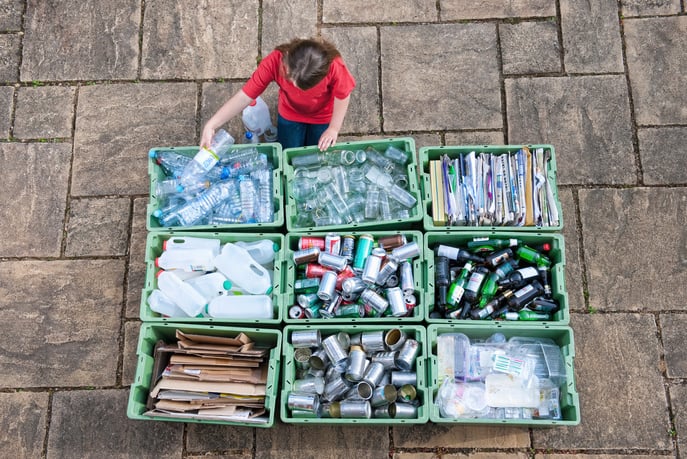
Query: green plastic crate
[(291, 245), (563, 336), (273, 152), (406, 144), (428, 154), (154, 243), (417, 332), (456, 239), (150, 333)]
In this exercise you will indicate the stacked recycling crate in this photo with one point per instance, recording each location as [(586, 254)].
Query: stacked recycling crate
[(351, 326), (261, 333), (438, 232)]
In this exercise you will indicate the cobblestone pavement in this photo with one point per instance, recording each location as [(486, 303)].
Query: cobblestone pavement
[(88, 87)]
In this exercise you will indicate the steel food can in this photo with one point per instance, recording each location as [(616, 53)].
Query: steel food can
[(303, 402), (383, 395), (355, 409), (305, 338), (394, 339), (406, 355)]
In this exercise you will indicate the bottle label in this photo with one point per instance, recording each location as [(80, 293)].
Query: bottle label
[(523, 291), (474, 282), (528, 272), (206, 158)]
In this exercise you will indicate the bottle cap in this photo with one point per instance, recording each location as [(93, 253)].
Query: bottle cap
[(269, 290), (249, 135), (157, 213), (164, 246), (275, 247), (227, 285), (253, 102), (157, 274), (157, 261), (152, 154)]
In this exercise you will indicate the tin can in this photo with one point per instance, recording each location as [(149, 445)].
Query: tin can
[(307, 285), (385, 411), (330, 260), (307, 242), (405, 411), (373, 299), (355, 311), (396, 301), (313, 312), (401, 378), (406, 393), (406, 355), (334, 389), (373, 265), (373, 373), (332, 243), (327, 286), (394, 339), (348, 248), (337, 355), (330, 410), (356, 364), (391, 242), (407, 280), (409, 250), (313, 270), (305, 338), (301, 257), (296, 312), (319, 361), (303, 402), (362, 251), (355, 409), (301, 357), (392, 281), (344, 340), (372, 341), (383, 395), (387, 359), (311, 385), (353, 285)]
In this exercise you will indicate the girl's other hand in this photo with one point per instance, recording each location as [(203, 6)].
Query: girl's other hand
[(328, 138)]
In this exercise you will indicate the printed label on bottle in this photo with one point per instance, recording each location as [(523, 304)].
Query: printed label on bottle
[(456, 294), (206, 158), (523, 291), (474, 282), (528, 272)]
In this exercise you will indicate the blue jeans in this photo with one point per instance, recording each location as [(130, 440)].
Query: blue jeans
[(292, 134)]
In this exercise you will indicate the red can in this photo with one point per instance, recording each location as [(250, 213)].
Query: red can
[(315, 270), (343, 275), (332, 243), (307, 242)]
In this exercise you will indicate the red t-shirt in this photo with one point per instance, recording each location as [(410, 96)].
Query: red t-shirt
[(312, 106)]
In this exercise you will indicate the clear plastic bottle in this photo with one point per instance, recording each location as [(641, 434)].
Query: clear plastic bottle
[(262, 250), (251, 137), (195, 210), (265, 209), (372, 203), (256, 116), (163, 305), (241, 307), (173, 186), (171, 162), (248, 198), (183, 295), (242, 270), (206, 158)]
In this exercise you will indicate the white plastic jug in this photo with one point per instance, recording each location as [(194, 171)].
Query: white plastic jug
[(183, 295), (242, 270), (210, 285), (187, 260), (191, 242), (241, 307), (256, 117), (262, 250), (163, 305)]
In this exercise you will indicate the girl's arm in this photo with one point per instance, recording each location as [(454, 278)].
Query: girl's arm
[(328, 137), (230, 109)]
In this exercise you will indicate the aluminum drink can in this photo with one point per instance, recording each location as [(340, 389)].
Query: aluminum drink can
[(407, 280), (347, 273), (372, 265), (396, 301), (332, 261), (301, 257), (332, 243), (307, 242), (355, 311), (391, 242), (348, 248), (296, 312), (314, 270), (362, 251), (409, 250), (327, 286)]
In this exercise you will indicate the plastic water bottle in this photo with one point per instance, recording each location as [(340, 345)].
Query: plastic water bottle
[(248, 198), (195, 210), (171, 162), (183, 295), (265, 210), (163, 305), (256, 116), (186, 260), (262, 251), (206, 158), (192, 242), (241, 307), (211, 285), (251, 137), (242, 270)]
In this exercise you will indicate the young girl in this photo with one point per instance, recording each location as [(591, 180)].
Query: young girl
[(314, 91)]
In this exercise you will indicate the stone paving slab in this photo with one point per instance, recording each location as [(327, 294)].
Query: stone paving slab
[(460, 436), (10, 15), (282, 21), (661, 152), (44, 112), (489, 9), (530, 47), (649, 7), (59, 324), (85, 40), (622, 230), (422, 65), (98, 227), (678, 396), (657, 68), (586, 118), (6, 96), (673, 328), (379, 11), (23, 419), (34, 195), (603, 379), (10, 56), (93, 422), (136, 272), (206, 437)]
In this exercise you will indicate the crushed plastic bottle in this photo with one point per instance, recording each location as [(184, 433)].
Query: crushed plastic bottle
[(206, 158)]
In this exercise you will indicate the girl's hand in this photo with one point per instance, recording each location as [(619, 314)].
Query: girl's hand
[(328, 138), (206, 135)]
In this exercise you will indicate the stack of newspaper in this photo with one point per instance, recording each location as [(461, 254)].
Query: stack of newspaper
[(209, 377), (493, 189)]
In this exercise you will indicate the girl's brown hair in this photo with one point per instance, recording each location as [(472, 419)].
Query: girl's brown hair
[(307, 60)]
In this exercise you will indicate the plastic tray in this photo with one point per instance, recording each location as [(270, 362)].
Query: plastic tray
[(150, 333), (416, 332), (273, 152), (154, 244), (563, 336), (406, 144), (428, 154), (557, 277), (291, 245)]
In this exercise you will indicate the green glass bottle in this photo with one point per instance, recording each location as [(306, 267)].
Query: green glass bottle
[(525, 314), (457, 288), (489, 245), (532, 256)]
